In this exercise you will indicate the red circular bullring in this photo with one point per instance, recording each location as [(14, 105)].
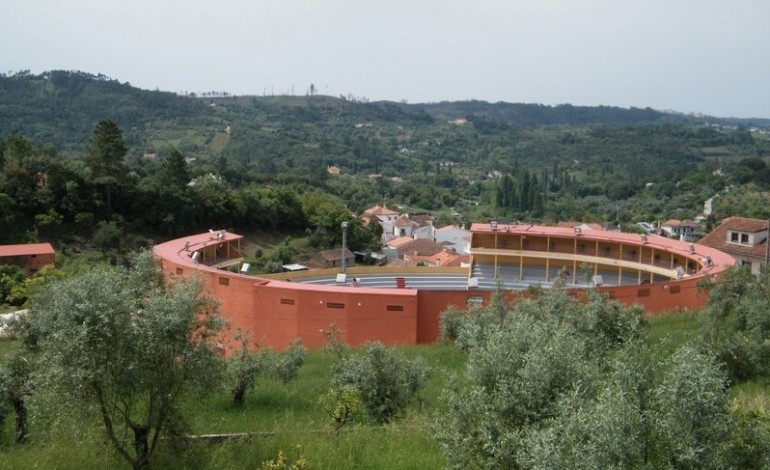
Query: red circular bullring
[(660, 274)]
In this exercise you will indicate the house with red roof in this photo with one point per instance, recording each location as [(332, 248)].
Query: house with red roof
[(333, 258), (386, 217), (29, 256), (414, 225), (743, 238), (442, 259), (398, 247)]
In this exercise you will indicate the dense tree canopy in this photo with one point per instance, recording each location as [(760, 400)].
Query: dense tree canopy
[(736, 324), (556, 382), (154, 164)]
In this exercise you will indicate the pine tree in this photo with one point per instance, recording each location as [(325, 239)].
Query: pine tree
[(104, 157)]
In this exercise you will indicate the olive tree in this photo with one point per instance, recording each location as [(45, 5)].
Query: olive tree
[(646, 414), (245, 366), (526, 362), (15, 388), (514, 379), (736, 324), (567, 383), (386, 380), (126, 347)]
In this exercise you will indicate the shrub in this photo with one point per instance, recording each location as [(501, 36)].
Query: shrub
[(450, 322), (385, 378)]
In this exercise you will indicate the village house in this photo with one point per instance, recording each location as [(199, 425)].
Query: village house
[(453, 238), (333, 258), (384, 216), (395, 247), (30, 256), (398, 247), (442, 259), (744, 239), (685, 230), (415, 226)]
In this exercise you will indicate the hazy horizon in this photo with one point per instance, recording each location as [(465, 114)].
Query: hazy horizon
[(686, 56)]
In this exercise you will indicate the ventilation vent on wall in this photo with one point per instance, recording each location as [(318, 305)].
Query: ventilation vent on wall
[(674, 289)]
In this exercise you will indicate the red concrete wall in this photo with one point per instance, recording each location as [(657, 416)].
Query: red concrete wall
[(432, 303), (660, 297), (284, 311), (274, 313), (234, 295)]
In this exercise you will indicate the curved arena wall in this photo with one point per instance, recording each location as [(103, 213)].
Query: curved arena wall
[(276, 311)]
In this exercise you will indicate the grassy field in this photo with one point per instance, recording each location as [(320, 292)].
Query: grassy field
[(287, 418), (669, 332), (280, 417)]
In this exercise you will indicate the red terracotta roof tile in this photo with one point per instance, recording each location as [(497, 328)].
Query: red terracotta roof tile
[(718, 237)]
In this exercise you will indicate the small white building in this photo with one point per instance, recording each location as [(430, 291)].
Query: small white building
[(453, 238), (414, 225), (685, 230)]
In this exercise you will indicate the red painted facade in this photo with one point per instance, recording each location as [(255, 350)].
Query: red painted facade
[(275, 312)]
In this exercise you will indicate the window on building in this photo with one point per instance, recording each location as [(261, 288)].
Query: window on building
[(734, 237), (745, 238)]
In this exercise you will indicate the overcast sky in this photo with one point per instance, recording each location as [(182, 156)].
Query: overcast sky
[(699, 56)]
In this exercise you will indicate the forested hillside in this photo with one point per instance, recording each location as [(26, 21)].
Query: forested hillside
[(192, 162)]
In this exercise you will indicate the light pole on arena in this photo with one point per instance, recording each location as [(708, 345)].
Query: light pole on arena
[(344, 246)]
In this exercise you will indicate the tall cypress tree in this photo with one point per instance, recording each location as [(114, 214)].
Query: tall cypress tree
[(104, 157)]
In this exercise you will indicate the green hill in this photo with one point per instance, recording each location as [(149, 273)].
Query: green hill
[(469, 160), (62, 107)]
